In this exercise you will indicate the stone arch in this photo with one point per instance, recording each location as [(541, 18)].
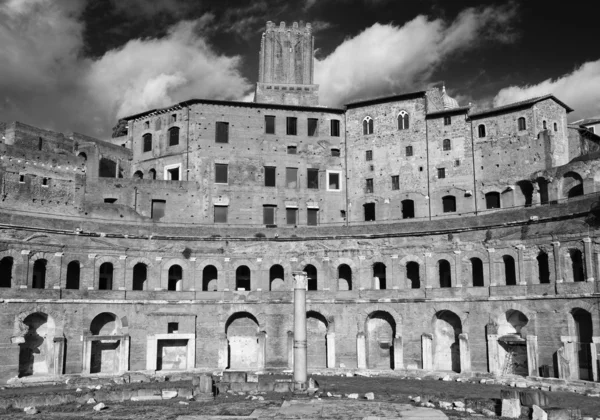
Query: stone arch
[(242, 330), (117, 274), (380, 331), (36, 344), (583, 342), (447, 326), (467, 274), (319, 283), (251, 309), (414, 279), (379, 272), (354, 271), (445, 276), (512, 349), (8, 260), (571, 184), (317, 328), (104, 353), (592, 308), (201, 266), (44, 261), (277, 277), (364, 313), (73, 275), (185, 274)]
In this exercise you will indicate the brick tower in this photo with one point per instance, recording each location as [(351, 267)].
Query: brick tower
[(286, 66)]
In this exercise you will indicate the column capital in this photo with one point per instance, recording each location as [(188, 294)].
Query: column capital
[(59, 254), (520, 247), (91, 256), (555, 244), (300, 280), (122, 257), (25, 252), (491, 250), (587, 240)]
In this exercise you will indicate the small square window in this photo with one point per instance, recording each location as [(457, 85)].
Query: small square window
[(369, 155), (158, 209), (312, 178), (447, 120), (110, 200), (395, 182), (409, 151), (147, 125), (335, 128), (269, 124), (420, 169), (173, 327), (441, 173), (335, 152), (291, 126), (369, 185), (291, 177), (221, 173), (292, 150), (173, 118), (313, 127), (291, 216), (333, 181), (221, 214), (312, 217), (270, 176), (44, 182), (457, 162), (222, 132)]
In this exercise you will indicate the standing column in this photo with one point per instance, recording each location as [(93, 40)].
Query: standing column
[(457, 269), (465, 353), (491, 266), (191, 286), (521, 265), (330, 337), (589, 266), (59, 282), (394, 281), (429, 274), (122, 286), (22, 270), (300, 285), (557, 268)]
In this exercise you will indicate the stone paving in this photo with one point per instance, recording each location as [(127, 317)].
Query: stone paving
[(319, 409)]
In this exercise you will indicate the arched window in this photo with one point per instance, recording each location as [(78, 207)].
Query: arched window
[(572, 185), (140, 275), (446, 145), (39, 274), (409, 151), (543, 268), (175, 278), (147, 142), (379, 276), (492, 200), (311, 277), (577, 265), (526, 193), (6, 266), (138, 175), (413, 275), (173, 136), (368, 126), (83, 155), (242, 278), (209, 278), (105, 277), (73, 275), (449, 204), (477, 272), (403, 120), (522, 124), (544, 125), (481, 130), (510, 274), (152, 173), (408, 209), (344, 277), (555, 127), (445, 273), (543, 188), (276, 277)]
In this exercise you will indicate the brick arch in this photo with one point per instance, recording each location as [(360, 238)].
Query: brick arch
[(118, 267), (121, 319), (16, 255), (483, 256), (462, 315), (436, 258), (52, 271), (501, 252), (498, 312), (169, 262), (251, 265), (348, 261), (136, 260), (590, 307), (301, 264), (225, 316), (320, 310), (363, 315), (204, 263), (56, 320), (411, 258)]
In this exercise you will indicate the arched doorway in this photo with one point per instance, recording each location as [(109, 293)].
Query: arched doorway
[(175, 278), (242, 278), (276, 277), (379, 276), (105, 353), (512, 349), (380, 331), (413, 274), (311, 277), (210, 274), (584, 333), (316, 337), (242, 338), (34, 352), (344, 277), (105, 278), (140, 275), (73, 274), (6, 266), (447, 328)]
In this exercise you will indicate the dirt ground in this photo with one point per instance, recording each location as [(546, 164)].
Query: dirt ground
[(386, 389)]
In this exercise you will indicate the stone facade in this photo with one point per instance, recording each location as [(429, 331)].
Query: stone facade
[(172, 246)]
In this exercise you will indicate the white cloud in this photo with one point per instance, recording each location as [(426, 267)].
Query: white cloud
[(579, 89), (387, 58)]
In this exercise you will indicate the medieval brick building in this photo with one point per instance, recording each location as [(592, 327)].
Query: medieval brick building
[(434, 237)]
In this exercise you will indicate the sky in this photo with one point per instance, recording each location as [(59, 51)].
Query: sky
[(79, 65)]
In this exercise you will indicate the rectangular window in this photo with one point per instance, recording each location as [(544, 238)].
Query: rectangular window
[(457, 162), (110, 200), (409, 151), (312, 178), (335, 152), (335, 128), (291, 216), (369, 155), (158, 209), (173, 174), (221, 214), (441, 173), (292, 150), (369, 185), (333, 181), (269, 124), (147, 125), (270, 176), (172, 327), (447, 120), (221, 173), (21, 179), (313, 127), (174, 118), (395, 182), (312, 217), (369, 212), (269, 215), (291, 177), (291, 126), (222, 132)]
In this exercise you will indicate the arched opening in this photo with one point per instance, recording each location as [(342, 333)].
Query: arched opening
[(445, 275), (73, 274), (526, 190), (104, 354), (572, 185), (175, 278), (492, 200), (152, 173), (510, 275), (380, 331), (577, 267), (316, 337), (522, 125), (379, 276), (105, 279), (584, 333), (512, 351), (447, 328), (477, 272), (242, 278), (39, 274), (408, 209), (543, 268), (173, 136), (138, 175), (446, 145), (403, 120), (543, 190), (242, 330), (311, 277), (107, 168), (276, 277), (210, 275), (344, 277), (33, 352), (449, 204), (6, 266), (140, 275), (82, 155), (368, 125), (413, 275), (481, 130)]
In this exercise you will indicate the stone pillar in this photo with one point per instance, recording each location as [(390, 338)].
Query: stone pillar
[(493, 361), (330, 337), (587, 257), (59, 355), (492, 263), (262, 349), (120, 284), (594, 356), (427, 351), (158, 278), (361, 350), (261, 280), (223, 352), (290, 349), (21, 270), (192, 286), (87, 354), (457, 282), (429, 274), (124, 359), (87, 273), (465, 353), (567, 359), (398, 353), (532, 355), (300, 286), (57, 282), (557, 266), (521, 280), (394, 281), (364, 278)]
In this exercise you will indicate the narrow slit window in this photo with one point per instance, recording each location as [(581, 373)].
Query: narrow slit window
[(369, 155), (369, 185), (395, 182), (409, 151), (441, 173)]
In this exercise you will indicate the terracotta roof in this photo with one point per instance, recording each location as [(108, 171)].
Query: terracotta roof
[(520, 104), (389, 98)]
